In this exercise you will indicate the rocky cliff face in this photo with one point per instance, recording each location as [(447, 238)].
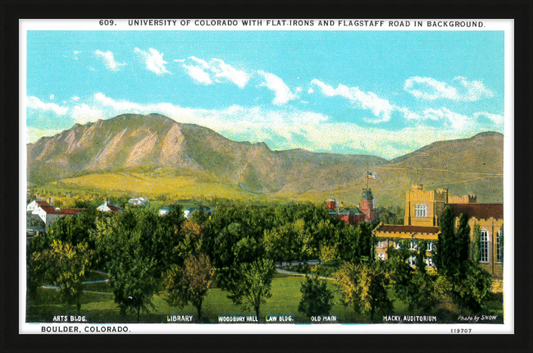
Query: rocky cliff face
[(137, 142), (154, 141)]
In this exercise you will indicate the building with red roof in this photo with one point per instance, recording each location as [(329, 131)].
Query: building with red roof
[(108, 207), (354, 215), (49, 213)]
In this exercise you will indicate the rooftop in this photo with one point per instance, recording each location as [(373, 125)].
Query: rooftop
[(479, 210)]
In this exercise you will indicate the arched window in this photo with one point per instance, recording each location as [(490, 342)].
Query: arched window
[(413, 245), (431, 246), (484, 246), (430, 262), (421, 211), (499, 247)]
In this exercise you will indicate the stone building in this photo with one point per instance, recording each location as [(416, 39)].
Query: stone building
[(423, 209)]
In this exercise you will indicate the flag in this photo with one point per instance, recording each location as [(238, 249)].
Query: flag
[(372, 175)]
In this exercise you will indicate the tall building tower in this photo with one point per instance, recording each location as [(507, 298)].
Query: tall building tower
[(367, 205), (423, 208)]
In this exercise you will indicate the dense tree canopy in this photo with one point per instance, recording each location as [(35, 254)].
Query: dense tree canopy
[(364, 288), (316, 299), (253, 286)]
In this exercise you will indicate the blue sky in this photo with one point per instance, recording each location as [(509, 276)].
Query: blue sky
[(384, 93)]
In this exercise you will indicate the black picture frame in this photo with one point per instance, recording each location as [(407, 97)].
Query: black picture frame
[(12, 11)]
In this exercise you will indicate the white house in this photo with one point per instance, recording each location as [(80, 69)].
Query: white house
[(35, 204), (108, 207), (164, 210), (49, 213)]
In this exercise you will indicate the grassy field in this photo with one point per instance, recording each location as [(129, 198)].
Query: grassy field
[(100, 307), (151, 185)]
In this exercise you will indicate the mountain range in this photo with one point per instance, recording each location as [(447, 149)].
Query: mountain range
[(136, 144)]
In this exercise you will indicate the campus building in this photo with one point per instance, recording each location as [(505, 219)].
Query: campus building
[(354, 215), (423, 210)]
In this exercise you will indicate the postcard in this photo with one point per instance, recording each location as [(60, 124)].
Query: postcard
[(324, 176)]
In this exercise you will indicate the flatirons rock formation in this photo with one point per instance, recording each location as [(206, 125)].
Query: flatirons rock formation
[(137, 142)]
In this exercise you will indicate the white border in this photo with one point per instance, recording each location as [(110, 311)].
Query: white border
[(506, 25)]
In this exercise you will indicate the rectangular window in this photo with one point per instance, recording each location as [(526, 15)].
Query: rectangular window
[(413, 245), (484, 246), (421, 211), (499, 247)]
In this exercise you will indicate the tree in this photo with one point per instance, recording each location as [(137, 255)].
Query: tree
[(364, 288), (474, 289), (276, 244), (462, 246), (453, 247), (133, 281), (253, 288), (476, 256), (470, 283), (356, 242), (303, 247), (390, 214), (132, 269), (328, 253), (417, 288), (191, 283), (402, 273), (316, 299), (39, 267), (74, 229), (70, 266)]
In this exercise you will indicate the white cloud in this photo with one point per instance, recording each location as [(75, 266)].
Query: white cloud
[(380, 107), (475, 90), (52, 96), (83, 113), (75, 98), (282, 92), (228, 72), (76, 53), (153, 60), (210, 117), (289, 127), (430, 89), (451, 119), (201, 71), (203, 64), (37, 104), (109, 60), (495, 118), (198, 74)]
